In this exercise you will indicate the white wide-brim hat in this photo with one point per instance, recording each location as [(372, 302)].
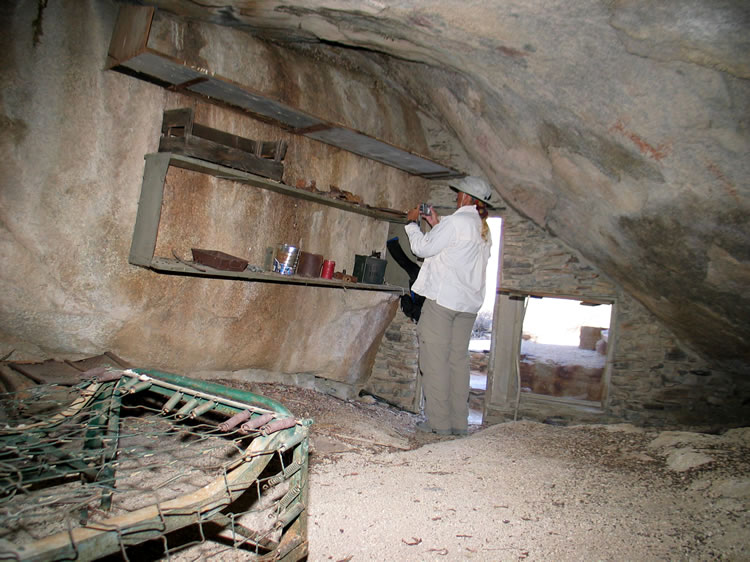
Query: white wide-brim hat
[(474, 186)]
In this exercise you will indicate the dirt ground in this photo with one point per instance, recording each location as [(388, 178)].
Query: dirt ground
[(381, 490)]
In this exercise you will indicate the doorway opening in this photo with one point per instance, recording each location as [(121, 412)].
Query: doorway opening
[(479, 344), (564, 348)]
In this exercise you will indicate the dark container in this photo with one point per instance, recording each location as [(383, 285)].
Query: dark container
[(218, 260), (309, 264), (369, 269)]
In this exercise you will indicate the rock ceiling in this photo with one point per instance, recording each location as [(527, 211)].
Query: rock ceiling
[(621, 126)]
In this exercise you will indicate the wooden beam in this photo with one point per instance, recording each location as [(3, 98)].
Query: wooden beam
[(149, 209), (586, 299)]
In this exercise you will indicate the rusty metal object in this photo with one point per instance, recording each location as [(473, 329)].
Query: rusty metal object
[(337, 193), (278, 425), (342, 276), (254, 424), (218, 260), (235, 420)]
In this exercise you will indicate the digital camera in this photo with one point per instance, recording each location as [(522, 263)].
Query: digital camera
[(424, 209)]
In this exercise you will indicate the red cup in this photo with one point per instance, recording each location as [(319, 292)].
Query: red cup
[(328, 267)]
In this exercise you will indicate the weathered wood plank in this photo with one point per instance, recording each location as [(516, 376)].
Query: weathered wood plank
[(181, 123), (178, 122), (222, 154), (227, 139), (588, 300), (149, 209), (175, 266), (275, 150), (130, 35)]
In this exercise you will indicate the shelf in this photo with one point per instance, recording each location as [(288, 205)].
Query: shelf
[(132, 51), (149, 214), (166, 265), (223, 172)]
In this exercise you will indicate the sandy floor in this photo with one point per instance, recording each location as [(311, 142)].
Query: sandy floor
[(379, 490)]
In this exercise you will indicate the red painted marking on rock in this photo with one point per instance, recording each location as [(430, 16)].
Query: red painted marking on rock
[(656, 152), (719, 175), (511, 52)]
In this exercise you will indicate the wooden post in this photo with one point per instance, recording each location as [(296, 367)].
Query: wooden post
[(149, 209)]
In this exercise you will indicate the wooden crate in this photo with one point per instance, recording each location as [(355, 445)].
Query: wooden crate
[(182, 135)]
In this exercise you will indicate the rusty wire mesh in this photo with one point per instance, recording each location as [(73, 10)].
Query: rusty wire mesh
[(106, 468)]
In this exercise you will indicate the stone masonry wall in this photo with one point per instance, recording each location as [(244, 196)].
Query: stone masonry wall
[(658, 381), (394, 375), (654, 378), (535, 261)]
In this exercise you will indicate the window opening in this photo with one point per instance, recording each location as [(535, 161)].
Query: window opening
[(564, 348), (479, 345)]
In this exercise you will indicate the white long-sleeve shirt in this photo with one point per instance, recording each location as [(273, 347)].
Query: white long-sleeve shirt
[(455, 265)]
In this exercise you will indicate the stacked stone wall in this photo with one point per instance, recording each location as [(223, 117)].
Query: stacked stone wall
[(658, 381), (394, 374), (654, 379), (535, 261)]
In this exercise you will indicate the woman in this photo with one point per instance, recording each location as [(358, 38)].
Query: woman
[(452, 280)]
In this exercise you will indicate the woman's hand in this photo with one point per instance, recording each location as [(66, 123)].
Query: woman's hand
[(432, 218), (413, 214)]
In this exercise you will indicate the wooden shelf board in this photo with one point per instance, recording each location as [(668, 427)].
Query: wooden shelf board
[(167, 265), (132, 52)]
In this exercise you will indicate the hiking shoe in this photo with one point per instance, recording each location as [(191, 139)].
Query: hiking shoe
[(424, 426)]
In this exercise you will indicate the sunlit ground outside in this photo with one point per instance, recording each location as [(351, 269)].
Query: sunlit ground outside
[(551, 327), (558, 321)]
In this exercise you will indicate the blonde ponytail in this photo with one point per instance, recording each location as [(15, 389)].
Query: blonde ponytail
[(483, 213)]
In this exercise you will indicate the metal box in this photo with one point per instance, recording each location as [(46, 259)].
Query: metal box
[(218, 260), (369, 269)]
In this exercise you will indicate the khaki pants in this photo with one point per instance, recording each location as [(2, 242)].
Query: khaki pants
[(444, 361)]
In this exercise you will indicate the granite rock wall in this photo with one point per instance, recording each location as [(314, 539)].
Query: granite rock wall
[(75, 136)]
